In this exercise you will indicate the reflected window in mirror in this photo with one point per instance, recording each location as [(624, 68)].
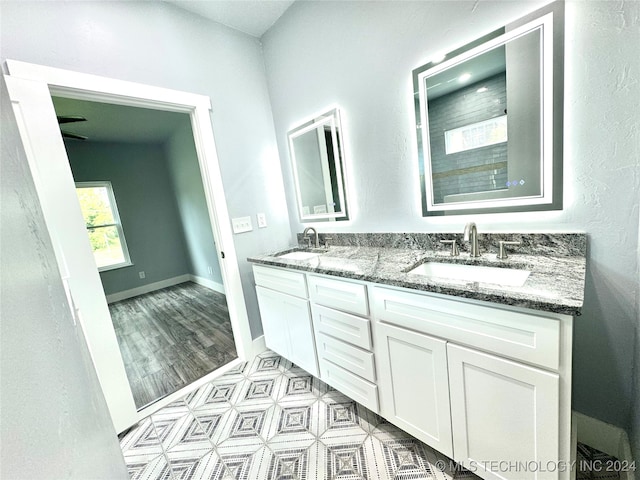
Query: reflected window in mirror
[(317, 158), (489, 121)]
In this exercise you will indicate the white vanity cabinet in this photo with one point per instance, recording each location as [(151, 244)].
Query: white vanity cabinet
[(343, 337), (479, 383), (286, 316), (414, 384), (503, 411), (488, 385)]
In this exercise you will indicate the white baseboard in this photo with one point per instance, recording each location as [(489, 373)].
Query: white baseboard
[(258, 346), (149, 287), (169, 282), (205, 282), (607, 438)]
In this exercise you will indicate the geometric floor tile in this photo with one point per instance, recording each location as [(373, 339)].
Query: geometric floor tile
[(289, 462), (405, 459), (590, 456), (221, 392), (268, 364), (239, 369), (294, 419), (339, 417), (186, 433), (346, 460), (237, 465), (269, 419), (156, 469), (141, 441), (248, 423), (259, 389), (299, 387), (187, 465)]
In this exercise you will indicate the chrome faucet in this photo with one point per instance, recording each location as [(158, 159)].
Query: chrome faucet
[(305, 236), (471, 235)]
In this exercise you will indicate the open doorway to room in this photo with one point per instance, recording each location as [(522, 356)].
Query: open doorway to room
[(31, 88), (140, 190)]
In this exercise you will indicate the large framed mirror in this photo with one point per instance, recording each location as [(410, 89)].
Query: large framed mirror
[(489, 121), (317, 157)]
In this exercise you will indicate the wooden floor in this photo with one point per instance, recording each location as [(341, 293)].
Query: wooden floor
[(171, 337)]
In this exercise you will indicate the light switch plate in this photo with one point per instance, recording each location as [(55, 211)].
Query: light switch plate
[(262, 220), (241, 224)]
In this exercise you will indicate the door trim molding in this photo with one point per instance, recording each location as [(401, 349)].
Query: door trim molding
[(71, 84)]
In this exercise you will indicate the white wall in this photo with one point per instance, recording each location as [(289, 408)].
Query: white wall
[(635, 408), (158, 44), (360, 55), (55, 422)]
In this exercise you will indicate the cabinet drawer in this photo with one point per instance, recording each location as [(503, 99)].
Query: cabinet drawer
[(531, 338), (350, 358), (345, 296), (285, 281), (363, 392), (352, 329)]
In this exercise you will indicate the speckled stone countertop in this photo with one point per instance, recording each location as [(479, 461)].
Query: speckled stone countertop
[(556, 261)]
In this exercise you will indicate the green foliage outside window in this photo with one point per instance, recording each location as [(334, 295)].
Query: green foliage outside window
[(101, 225)]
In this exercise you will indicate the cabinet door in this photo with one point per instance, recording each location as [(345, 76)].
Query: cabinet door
[(413, 384), (287, 326), (505, 416)]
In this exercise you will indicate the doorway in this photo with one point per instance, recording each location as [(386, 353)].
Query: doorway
[(31, 88), (140, 191)]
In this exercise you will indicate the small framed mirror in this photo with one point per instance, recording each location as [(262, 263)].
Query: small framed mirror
[(318, 168), (489, 122)]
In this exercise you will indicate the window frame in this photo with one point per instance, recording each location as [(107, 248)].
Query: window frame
[(118, 223), (450, 148)]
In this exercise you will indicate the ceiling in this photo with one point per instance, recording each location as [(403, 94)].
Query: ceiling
[(254, 17), (479, 68), (119, 123)]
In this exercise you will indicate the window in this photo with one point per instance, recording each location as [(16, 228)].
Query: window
[(476, 135), (101, 218)]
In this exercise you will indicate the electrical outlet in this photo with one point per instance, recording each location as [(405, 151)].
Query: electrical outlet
[(210, 270), (241, 224), (262, 220), (142, 274)]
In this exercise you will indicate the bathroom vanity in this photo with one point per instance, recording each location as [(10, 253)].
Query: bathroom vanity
[(479, 371)]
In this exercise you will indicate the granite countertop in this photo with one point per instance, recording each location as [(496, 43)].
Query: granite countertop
[(556, 283)]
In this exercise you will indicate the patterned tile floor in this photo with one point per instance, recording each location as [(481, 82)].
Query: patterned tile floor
[(269, 419)]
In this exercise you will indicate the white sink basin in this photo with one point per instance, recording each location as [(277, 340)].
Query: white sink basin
[(473, 273), (299, 255)]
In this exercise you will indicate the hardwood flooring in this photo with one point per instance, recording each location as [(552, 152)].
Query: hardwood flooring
[(171, 337)]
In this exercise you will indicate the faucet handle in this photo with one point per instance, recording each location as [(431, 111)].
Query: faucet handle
[(308, 239), (454, 247), (502, 253), (326, 241)]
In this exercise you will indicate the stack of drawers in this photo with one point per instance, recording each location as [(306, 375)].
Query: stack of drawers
[(343, 338)]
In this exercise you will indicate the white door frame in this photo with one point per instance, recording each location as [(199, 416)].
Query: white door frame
[(30, 87)]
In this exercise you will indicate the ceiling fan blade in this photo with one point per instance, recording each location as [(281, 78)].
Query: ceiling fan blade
[(73, 136), (70, 119)]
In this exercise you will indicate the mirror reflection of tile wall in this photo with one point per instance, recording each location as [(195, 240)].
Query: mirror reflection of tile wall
[(476, 169)]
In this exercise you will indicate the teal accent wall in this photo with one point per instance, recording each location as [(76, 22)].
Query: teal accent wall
[(148, 210), (182, 161)]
